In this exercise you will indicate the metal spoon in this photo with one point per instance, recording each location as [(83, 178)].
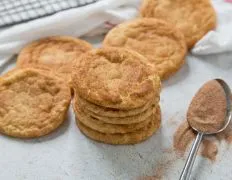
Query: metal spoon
[(185, 175)]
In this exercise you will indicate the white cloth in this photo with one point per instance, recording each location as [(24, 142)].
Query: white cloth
[(219, 40), (88, 20), (100, 17)]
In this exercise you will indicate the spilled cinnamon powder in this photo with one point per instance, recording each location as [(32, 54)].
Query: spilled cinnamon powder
[(161, 169), (226, 134), (183, 138), (209, 149)]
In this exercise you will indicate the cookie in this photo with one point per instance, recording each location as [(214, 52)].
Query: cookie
[(194, 18), (111, 112), (160, 42), (115, 78), (127, 138), (103, 127), (32, 104), (56, 54)]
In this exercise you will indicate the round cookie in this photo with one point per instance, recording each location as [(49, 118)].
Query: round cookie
[(127, 138), (113, 114), (31, 103), (115, 78), (103, 127), (56, 54), (162, 44), (193, 17)]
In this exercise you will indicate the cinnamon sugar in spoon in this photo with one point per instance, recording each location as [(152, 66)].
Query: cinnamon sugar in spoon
[(209, 113)]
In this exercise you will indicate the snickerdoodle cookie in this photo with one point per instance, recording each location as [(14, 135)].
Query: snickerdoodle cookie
[(104, 127), (55, 54), (32, 104), (193, 17), (127, 138), (115, 78), (160, 42)]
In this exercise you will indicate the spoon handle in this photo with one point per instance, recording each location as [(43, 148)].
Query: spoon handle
[(191, 158)]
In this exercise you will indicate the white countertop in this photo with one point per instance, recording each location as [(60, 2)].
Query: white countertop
[(66, 154)]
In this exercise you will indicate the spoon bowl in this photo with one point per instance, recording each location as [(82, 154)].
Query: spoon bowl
[(228, 115)]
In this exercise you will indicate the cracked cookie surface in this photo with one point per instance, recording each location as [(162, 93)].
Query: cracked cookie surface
[(160, 42), (55, 54), (32, 104), (193, 17), (115, 78)]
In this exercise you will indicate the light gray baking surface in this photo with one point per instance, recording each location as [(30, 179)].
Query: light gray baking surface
[(66, 154)]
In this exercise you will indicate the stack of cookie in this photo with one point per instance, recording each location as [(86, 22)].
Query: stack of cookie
[(116, 96)]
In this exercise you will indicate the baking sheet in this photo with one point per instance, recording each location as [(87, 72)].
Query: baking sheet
[(66, 154)]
